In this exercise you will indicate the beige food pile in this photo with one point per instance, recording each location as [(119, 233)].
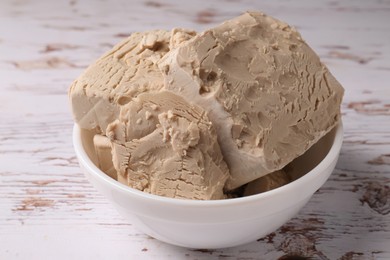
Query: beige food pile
[(197, 115)]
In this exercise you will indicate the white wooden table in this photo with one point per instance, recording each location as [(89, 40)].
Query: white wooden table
[(48, 210)]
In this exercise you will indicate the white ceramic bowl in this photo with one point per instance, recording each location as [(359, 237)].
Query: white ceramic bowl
[(218, 223)]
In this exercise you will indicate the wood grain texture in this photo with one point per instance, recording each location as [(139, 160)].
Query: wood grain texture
[(48, 210)]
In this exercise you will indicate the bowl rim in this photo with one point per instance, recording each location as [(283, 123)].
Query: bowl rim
[(321, 167)]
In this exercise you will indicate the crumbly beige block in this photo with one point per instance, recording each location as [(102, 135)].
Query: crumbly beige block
[(266, 183), (165, 146), (265, 90), (103, 153), (120, 75)]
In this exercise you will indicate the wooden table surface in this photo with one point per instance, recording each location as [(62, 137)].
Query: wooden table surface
[(48, 210)]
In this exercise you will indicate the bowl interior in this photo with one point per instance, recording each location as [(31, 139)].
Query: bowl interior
[(312, 157), (296, 169)]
